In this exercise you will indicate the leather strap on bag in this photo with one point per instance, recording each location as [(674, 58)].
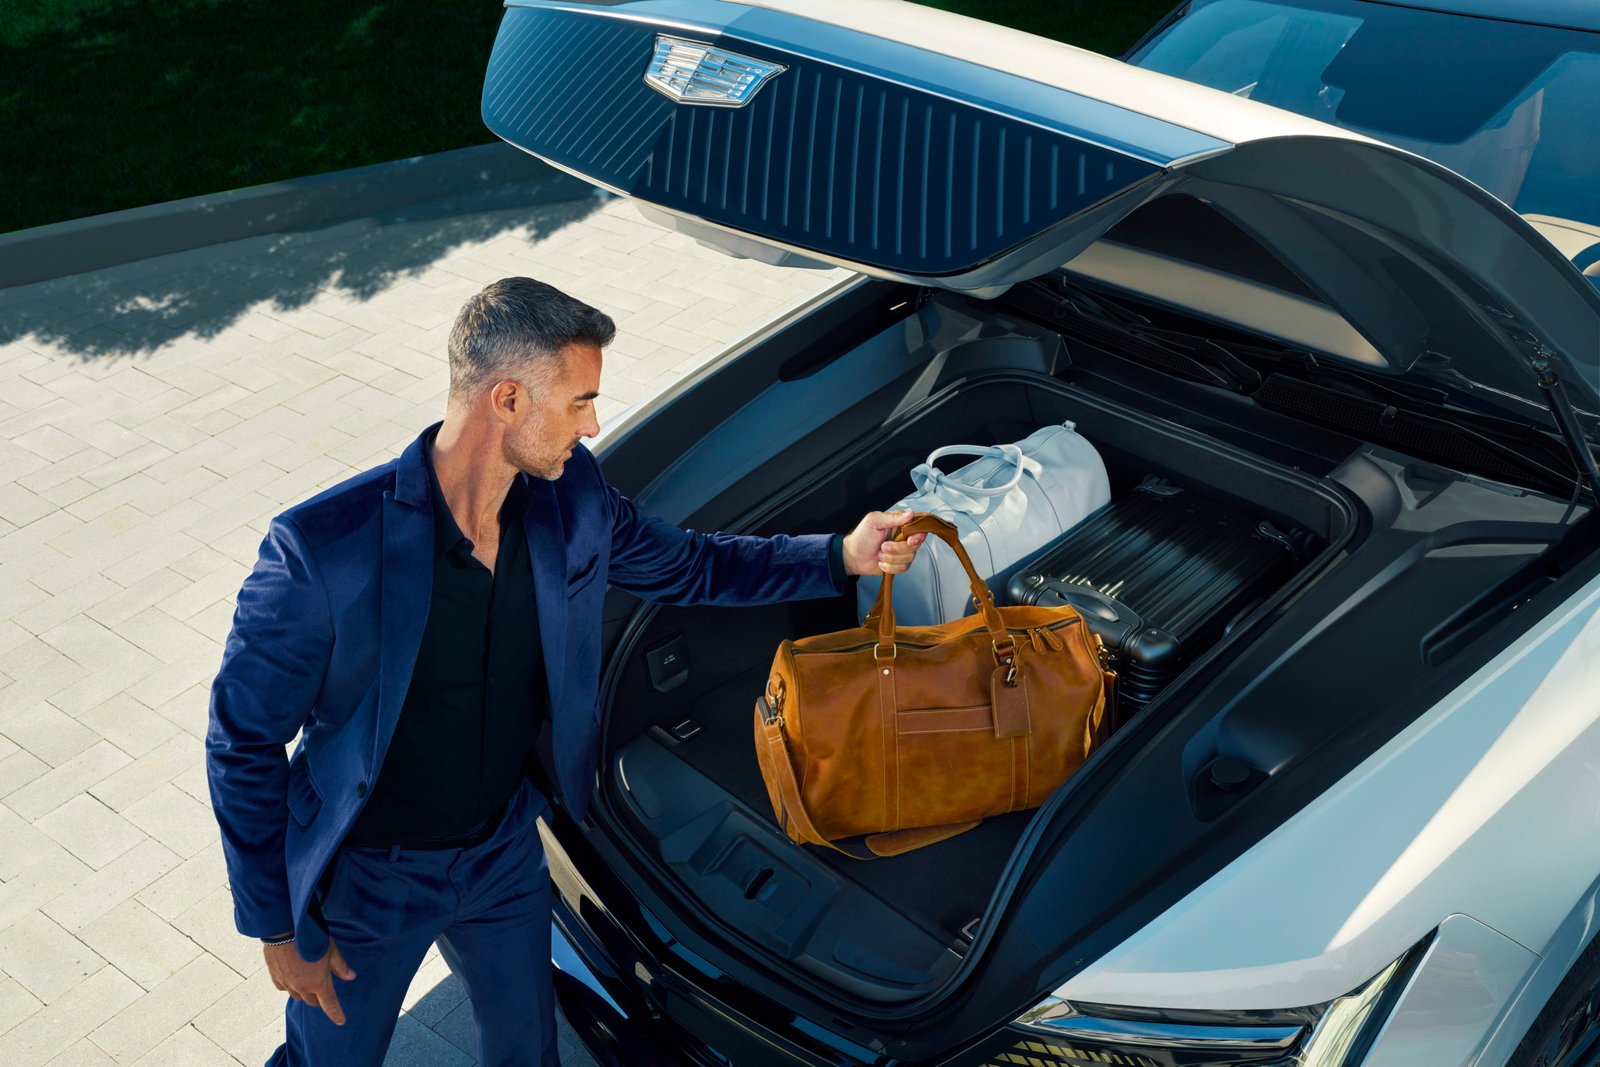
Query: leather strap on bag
[(1008, 694), (883, 609), (794, 807)]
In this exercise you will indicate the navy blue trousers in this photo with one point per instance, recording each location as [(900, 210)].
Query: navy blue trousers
[(488, 907)]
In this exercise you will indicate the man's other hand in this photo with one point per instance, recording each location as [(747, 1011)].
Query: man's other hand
[(869, 550), (309, 982)]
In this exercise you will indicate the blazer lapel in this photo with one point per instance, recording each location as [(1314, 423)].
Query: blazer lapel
[(547, 552), (407, 586)]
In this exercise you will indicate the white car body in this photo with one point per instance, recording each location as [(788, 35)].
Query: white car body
[(1481, 818), (1479, 822)]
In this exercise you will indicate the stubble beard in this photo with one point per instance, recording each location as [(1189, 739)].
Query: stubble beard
[(524, 453)]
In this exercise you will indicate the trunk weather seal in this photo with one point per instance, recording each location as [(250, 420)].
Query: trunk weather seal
[(614, 826)]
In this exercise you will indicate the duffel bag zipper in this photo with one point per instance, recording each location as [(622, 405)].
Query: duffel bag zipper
[(1015, 631), (1044, 640)]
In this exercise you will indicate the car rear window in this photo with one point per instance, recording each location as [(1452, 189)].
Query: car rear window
[(1510, 106)]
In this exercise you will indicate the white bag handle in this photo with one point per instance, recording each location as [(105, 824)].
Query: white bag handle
[(926, 474)]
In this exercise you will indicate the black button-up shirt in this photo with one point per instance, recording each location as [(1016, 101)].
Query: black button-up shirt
[(477, 696)]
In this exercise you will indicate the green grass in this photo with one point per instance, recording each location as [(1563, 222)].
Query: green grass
[(108, 104)]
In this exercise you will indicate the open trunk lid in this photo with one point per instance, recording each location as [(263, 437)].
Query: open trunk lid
[(910, 144)]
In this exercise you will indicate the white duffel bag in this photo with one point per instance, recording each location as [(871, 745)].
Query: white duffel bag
[(1012, 501)]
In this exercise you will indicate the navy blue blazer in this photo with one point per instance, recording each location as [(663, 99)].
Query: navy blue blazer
[(327, 629)]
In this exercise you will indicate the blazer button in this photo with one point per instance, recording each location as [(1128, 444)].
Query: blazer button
[(361, 789)]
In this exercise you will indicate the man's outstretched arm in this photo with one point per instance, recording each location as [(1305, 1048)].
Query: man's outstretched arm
[(657, 560)]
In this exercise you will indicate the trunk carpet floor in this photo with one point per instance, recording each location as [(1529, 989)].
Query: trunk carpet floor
[(944, 885)]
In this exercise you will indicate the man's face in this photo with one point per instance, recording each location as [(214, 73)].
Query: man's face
[(558, 415)]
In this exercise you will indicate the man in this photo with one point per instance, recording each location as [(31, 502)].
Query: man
[(417, 626)]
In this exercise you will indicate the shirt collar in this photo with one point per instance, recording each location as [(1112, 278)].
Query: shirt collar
[(446, 532)]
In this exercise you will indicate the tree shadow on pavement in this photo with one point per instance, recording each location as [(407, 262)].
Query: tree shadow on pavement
[(136, 308)]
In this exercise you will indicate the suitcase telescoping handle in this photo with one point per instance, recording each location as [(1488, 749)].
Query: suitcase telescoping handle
[(882, 613)]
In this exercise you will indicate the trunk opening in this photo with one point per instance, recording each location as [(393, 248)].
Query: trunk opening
[(681, 781)]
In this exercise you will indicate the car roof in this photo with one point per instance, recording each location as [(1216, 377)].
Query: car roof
[(1571, 14)]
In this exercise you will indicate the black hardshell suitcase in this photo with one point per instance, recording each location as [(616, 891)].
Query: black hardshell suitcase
[(1160, 574)]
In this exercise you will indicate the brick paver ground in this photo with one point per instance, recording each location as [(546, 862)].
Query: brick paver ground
[(153, 417)]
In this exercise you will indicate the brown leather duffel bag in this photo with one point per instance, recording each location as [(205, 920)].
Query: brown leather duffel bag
[(913, 735)]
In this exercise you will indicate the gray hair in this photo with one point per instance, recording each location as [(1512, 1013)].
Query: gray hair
[(516, 325)]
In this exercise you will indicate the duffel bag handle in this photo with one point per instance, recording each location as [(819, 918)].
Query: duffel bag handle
[(883, 610), (927, 474)]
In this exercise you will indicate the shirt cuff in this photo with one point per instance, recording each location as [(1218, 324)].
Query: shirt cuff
[(836, 560)]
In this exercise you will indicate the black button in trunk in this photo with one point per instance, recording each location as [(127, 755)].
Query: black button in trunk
[(668, 664)]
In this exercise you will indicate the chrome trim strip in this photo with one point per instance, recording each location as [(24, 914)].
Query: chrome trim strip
[(1060, 1019), (977, 282), (1171, 1035)]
